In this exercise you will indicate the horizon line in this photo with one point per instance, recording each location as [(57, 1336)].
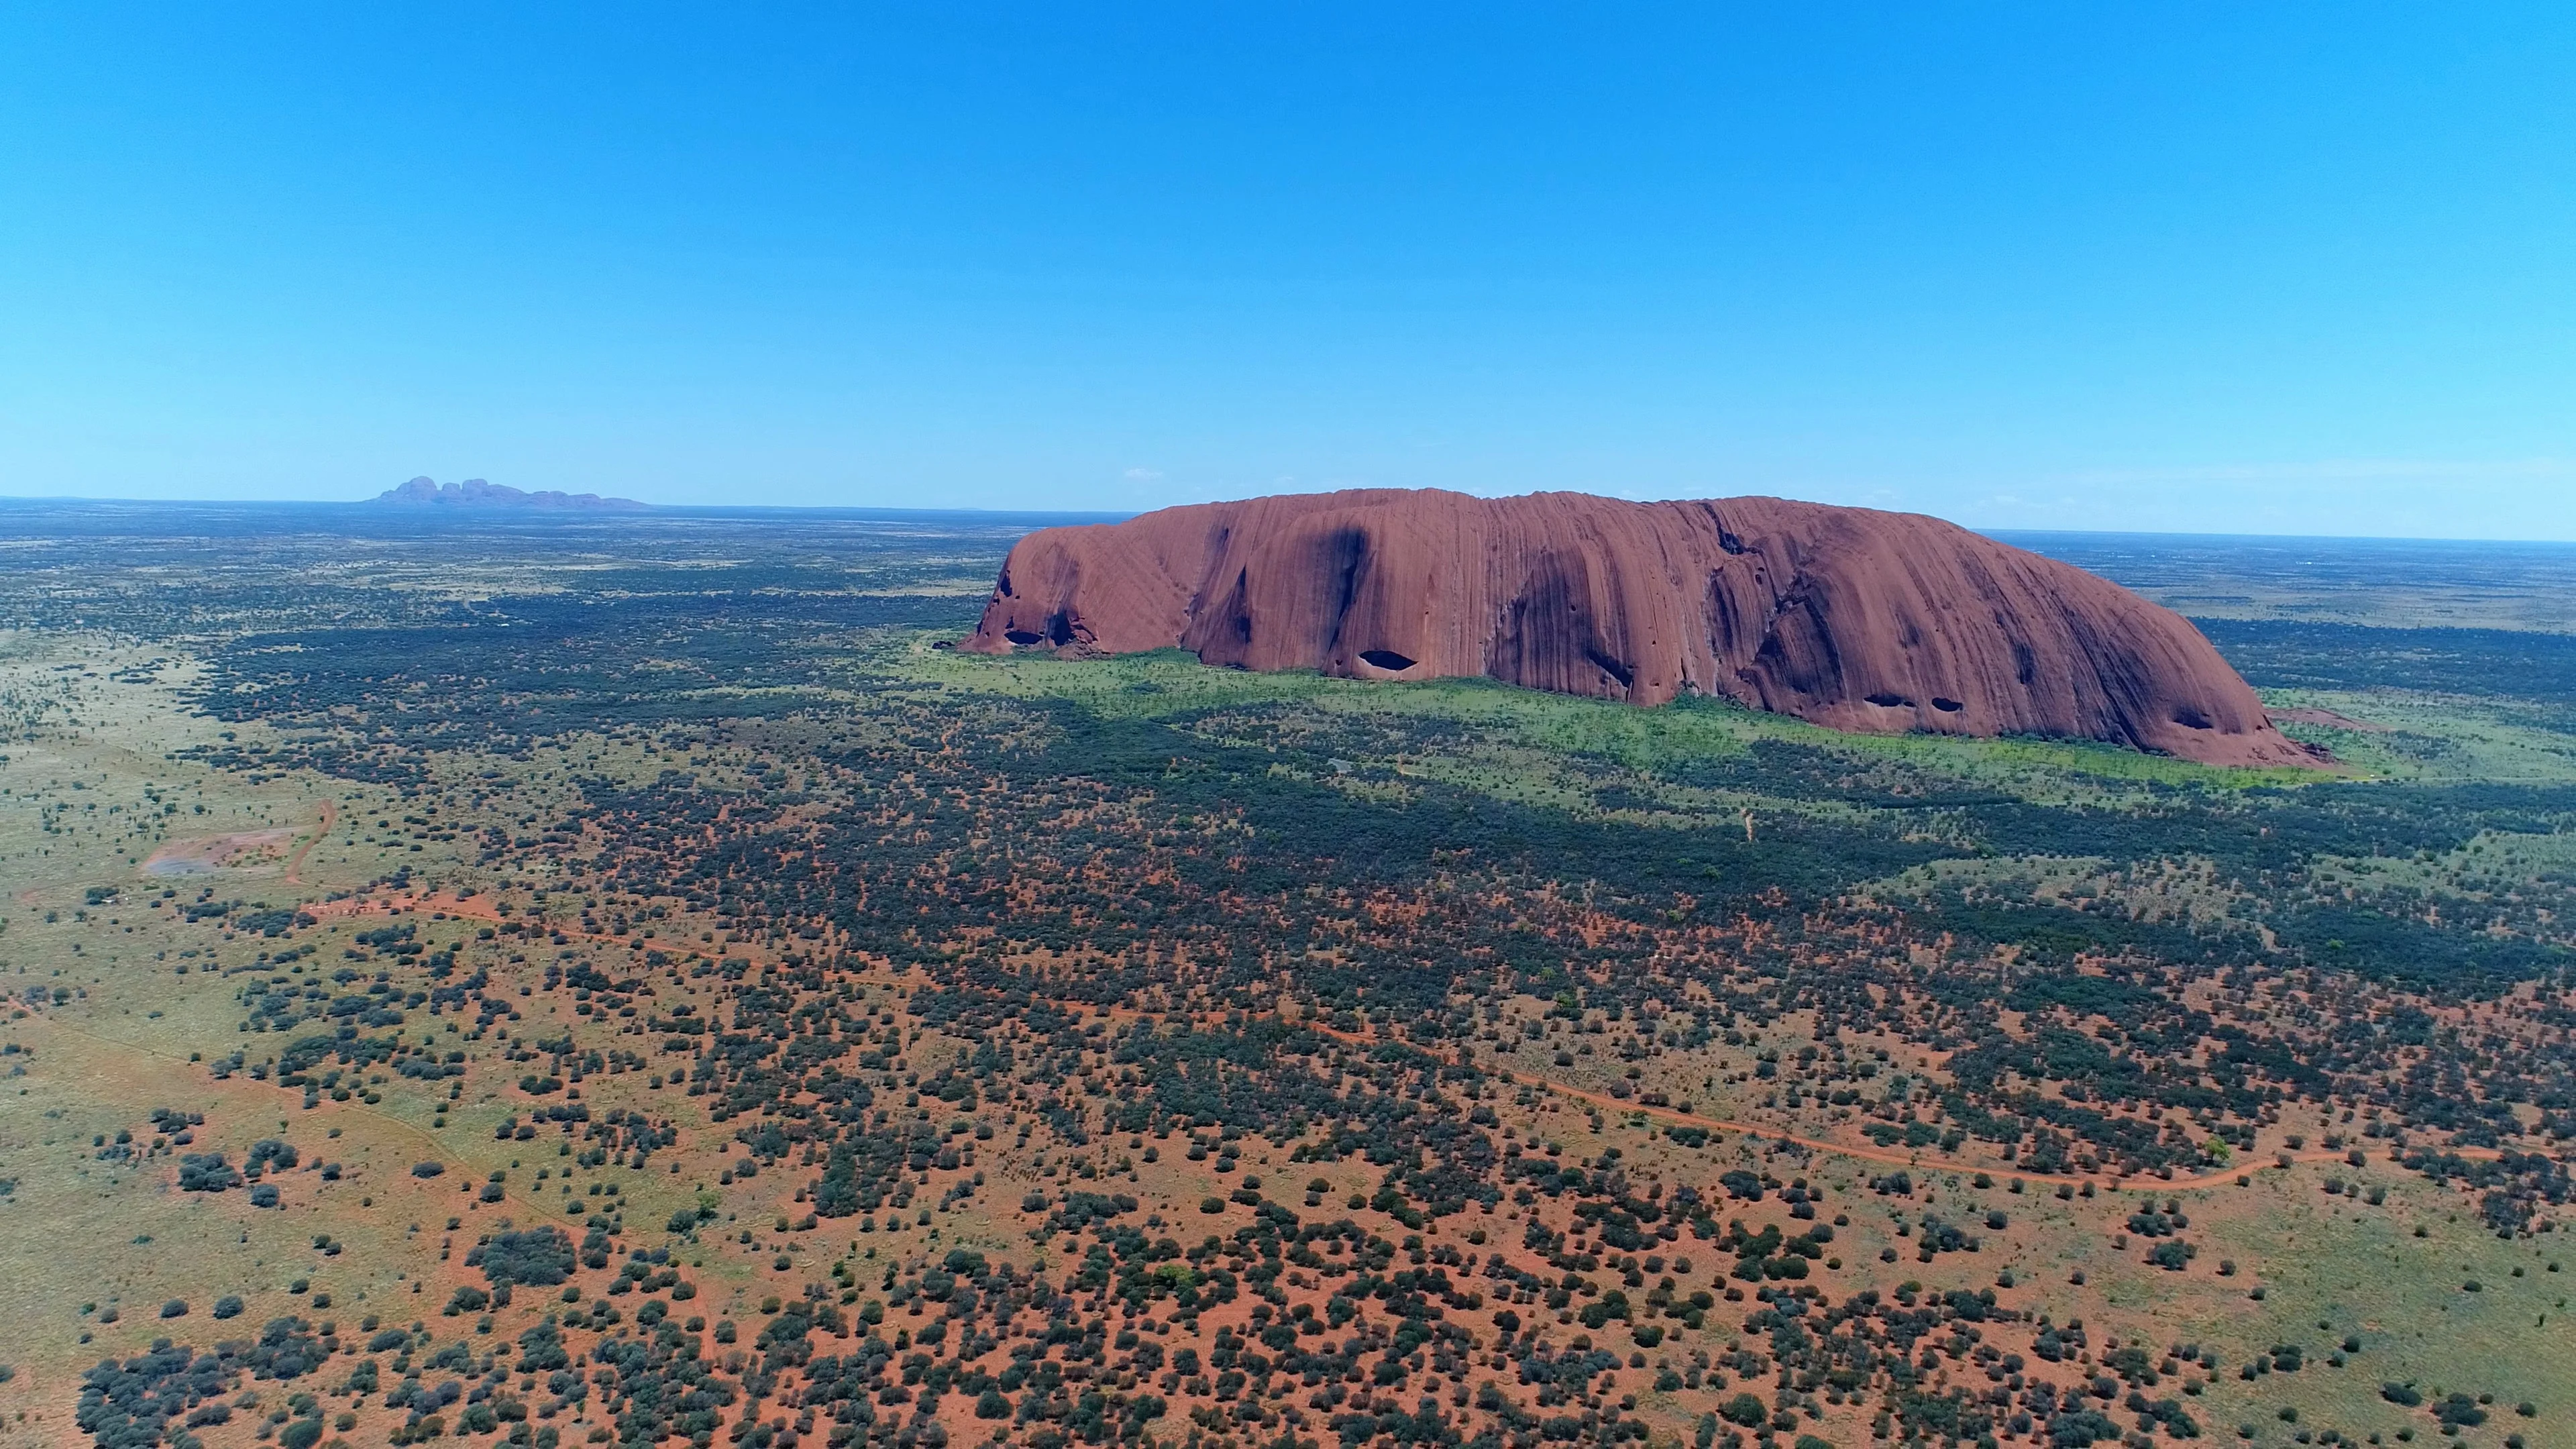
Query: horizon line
[(636, 508)]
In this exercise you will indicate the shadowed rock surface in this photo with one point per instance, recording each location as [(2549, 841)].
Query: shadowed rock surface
[(1848, 617)]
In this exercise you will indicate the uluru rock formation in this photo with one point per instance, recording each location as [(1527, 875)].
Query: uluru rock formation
[(1848, 617)]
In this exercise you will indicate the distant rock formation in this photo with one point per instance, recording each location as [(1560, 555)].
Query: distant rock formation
[(1851, 618), (475, 493)]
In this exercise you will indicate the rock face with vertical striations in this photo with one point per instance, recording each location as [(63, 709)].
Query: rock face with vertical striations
[(1848, 617)]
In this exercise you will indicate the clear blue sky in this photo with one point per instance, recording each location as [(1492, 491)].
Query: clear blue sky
[(2274, 267)]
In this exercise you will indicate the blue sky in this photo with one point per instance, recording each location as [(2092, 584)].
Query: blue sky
[(2276, 268)]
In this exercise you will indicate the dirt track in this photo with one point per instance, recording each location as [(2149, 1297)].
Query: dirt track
[(295, 862)]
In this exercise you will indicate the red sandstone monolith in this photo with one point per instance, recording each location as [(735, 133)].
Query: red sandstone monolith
[(1849, 617)]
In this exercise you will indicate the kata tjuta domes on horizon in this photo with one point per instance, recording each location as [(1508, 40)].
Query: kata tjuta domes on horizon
[(1848, 617)]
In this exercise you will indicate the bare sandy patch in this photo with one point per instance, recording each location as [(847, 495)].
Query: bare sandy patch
[(205, 855)]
